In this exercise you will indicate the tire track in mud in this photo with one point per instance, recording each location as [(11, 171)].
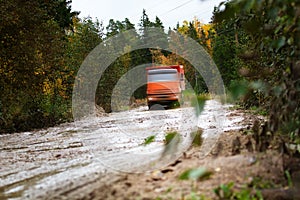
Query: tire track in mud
[(70, 160)]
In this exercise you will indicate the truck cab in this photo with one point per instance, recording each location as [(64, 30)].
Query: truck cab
[(165, 85)]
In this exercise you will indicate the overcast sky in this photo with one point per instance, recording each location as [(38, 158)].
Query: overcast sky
[(169, 11)]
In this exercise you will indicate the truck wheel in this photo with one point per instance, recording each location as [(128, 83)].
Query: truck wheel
[(155, 106), (150, 105)]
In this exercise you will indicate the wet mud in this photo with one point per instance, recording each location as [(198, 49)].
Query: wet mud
[(71, 160)]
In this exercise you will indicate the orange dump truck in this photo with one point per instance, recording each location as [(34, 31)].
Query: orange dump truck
[(165, 85)]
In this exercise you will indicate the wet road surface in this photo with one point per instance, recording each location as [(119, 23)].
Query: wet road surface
[(71, 160)]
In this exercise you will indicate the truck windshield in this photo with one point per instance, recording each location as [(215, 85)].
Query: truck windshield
[(162, 75)]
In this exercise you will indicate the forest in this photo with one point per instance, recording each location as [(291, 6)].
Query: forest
[(254, 43)]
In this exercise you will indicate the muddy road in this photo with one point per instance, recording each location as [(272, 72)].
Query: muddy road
[(71, 160)]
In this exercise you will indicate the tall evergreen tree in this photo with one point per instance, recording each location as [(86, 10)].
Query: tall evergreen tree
[(128, 24), (59, 11), (158, 23)]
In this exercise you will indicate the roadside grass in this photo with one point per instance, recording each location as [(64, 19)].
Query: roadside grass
[(189, 95), (228, 191), (259, 111), (196, 100)]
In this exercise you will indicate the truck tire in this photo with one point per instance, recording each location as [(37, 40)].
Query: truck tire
[(156, 106)]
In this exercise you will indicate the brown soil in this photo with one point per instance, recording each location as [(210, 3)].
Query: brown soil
[(232, 160)]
